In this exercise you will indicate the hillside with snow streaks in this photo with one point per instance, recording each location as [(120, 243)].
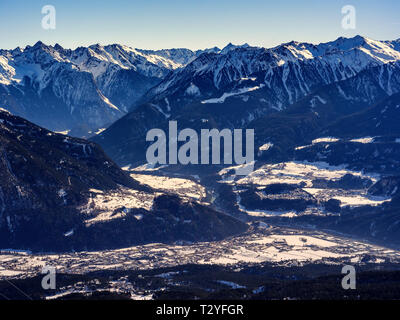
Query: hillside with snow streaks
[(289, 71)]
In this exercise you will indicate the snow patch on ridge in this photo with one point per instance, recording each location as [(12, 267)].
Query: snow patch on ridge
[(363, 140), (325, 139), (230, 94)]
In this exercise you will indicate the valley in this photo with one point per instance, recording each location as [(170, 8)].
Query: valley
[(322, 190)]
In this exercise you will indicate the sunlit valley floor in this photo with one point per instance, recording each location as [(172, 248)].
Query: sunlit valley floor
[(276, 257)]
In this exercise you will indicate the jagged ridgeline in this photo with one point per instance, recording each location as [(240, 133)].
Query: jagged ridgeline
[(287, 94), (83, 90)]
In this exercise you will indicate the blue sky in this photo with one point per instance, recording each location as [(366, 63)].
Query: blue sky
[(153, 24)]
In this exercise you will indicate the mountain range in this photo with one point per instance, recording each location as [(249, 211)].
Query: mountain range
[(85, 90), (288, 94), (80, 91), (336, 103)]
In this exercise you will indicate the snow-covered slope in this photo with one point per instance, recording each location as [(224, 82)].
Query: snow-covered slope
[(181, 57), (289, 72)]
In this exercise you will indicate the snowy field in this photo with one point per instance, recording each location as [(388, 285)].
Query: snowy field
[(102, 206), (294, 172), (183, 187), (303, 173)]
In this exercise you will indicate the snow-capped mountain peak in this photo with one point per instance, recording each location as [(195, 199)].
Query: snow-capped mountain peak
[(285, 73), (231, 46), (103, 80), (115, 77)]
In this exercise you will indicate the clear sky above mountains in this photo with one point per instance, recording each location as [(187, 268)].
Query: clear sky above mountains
[(155, 24)]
